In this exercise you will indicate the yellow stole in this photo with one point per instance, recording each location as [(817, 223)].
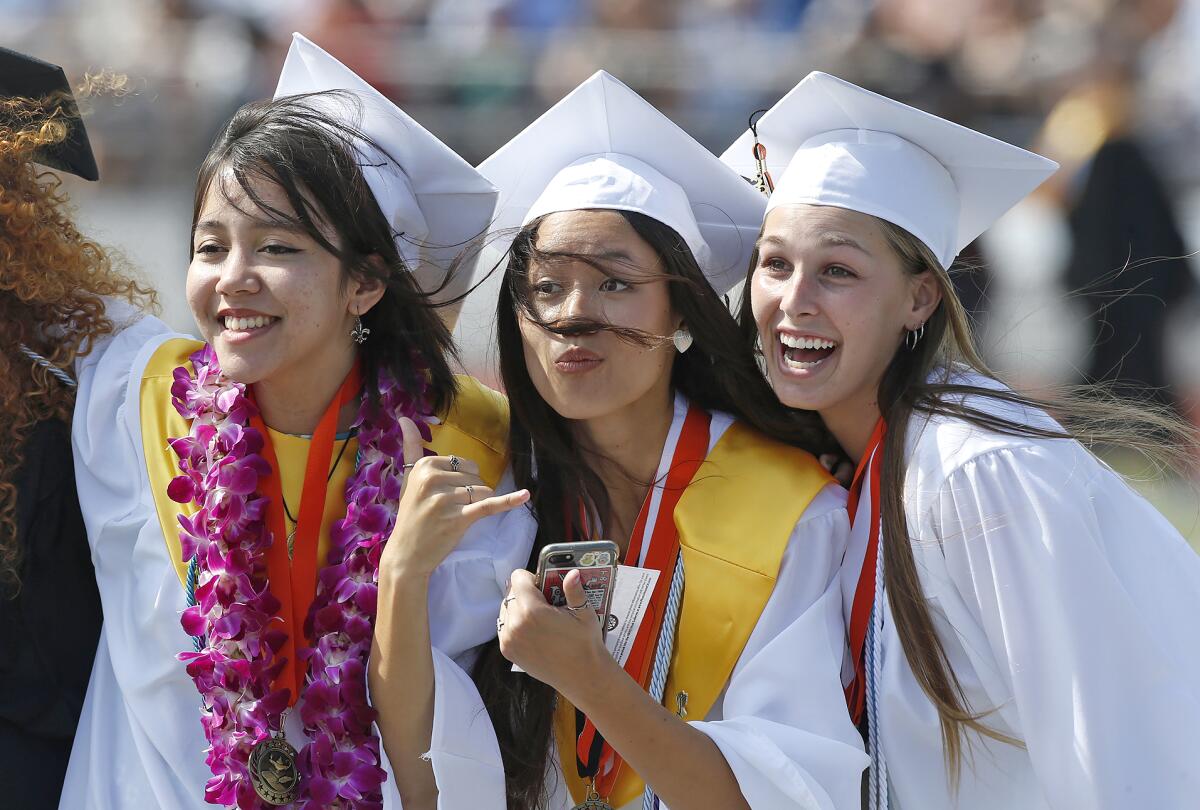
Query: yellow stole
[(476, 428), (734, 522)]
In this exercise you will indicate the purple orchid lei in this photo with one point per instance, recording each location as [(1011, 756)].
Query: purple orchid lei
[(234, 610)]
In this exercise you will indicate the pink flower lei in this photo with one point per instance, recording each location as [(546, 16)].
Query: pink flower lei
[(232, 615)]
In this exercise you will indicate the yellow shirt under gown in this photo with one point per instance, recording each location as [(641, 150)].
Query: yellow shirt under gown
[(139, 742)]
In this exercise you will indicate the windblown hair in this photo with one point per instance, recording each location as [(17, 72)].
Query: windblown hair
[(926, 381), (53, 281), (314, 157), (716, 373)]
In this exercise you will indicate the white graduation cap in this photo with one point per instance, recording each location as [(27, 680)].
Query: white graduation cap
[(432, 197), (829, 142), (604, 146)]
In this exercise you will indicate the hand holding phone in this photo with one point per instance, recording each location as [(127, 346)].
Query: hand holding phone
[(596, 562)]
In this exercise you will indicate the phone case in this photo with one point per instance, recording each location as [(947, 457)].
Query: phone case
[(596, 561)]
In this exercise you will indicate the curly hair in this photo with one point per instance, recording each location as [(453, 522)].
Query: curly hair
[(53, 282)]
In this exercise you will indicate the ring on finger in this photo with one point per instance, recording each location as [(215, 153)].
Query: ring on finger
[(455, 463), (507, 599), (577, 609), (499, 625), (470, 493), (409, 466)]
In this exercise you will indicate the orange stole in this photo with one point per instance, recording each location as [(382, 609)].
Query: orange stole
[(734, 522), (476, 428)]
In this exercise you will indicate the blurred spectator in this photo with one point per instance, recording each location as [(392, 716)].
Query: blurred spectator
[(1123, 218)]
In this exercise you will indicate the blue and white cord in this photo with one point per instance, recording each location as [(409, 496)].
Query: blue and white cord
[(63, 377), (877, 781), (662, 654), (190, 591)]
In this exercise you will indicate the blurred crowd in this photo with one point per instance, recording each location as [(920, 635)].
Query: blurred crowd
[(1090, 278)]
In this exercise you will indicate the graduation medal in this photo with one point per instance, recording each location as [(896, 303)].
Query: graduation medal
[(273, 771), (592, 801)]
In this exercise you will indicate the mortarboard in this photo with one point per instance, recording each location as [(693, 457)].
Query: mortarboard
[(25, 76), (829, 142), (604, 146), (432, 197)]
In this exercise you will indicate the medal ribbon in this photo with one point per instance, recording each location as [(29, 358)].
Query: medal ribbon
[(294, 581), (595, 758), (864, 593)]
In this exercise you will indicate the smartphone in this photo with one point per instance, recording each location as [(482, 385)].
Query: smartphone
[(596, 562)]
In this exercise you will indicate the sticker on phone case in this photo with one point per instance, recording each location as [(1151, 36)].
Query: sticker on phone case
[(596, 584)]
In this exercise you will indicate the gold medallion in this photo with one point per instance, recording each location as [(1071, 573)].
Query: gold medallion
[(593, 804), (273, 771), (592, 801)]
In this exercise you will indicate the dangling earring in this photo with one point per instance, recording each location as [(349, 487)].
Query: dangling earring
[(914, 337), (682, 339), (359, 333), (763, 181)]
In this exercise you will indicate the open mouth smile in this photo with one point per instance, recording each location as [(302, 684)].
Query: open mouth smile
[(804, 353), (243, 325)]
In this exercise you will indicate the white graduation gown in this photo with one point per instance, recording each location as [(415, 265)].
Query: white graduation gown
[(781, 721), (139, 744), (1066, 603)]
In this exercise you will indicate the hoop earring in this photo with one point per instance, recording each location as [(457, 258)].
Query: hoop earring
[(682, 339), (914, 337), (359, 333)]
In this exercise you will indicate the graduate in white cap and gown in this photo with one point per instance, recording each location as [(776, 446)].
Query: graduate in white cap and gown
[(639, 417), (239, 492), (1022, 623)]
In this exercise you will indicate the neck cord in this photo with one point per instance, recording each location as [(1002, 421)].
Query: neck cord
[(62, 376), (878, 778), (291, 539), (662, 660)]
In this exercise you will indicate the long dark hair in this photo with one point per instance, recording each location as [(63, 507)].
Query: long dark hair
[(716, 373), (312, 156), (922, 380)]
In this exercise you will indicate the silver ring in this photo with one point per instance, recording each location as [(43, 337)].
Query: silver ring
[(454, 463), (499, 625), (506, 600), (470, 494), (576, 609), (407, 467)]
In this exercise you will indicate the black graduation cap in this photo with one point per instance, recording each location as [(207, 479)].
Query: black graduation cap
[(22, 75)]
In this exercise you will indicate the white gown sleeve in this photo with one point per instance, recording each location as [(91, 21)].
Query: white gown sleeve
[(466, 589), (1088, 600), (463, 751), (783, 726), (119, 759), (464, 603)]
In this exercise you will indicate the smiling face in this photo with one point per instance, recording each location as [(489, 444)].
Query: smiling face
[(833, 302), (597, 373), (268, 298)]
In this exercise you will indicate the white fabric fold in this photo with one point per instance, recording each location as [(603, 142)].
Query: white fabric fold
[(126, 752), (1067, 606)]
